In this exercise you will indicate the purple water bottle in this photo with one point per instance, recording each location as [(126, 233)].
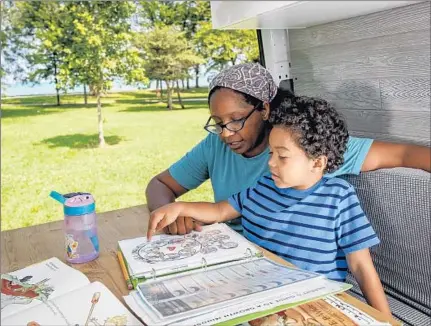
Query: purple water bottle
[(80, 226)]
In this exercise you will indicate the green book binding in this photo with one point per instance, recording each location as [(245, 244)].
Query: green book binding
[(137, 280), (246, 318)]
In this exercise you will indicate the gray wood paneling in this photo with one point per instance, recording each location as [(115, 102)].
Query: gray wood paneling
[(392, 138), (406, 94), (374, 69), (399, 123), (394, 56), (411, 94), (400, 20), (348, 94)]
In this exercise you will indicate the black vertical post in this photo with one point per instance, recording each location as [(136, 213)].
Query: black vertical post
[(260, 44)]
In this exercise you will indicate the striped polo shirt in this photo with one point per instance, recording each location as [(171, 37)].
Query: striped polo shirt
[(313, 229)]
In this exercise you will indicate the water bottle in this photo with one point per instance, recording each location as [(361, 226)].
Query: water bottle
[(80, 226)]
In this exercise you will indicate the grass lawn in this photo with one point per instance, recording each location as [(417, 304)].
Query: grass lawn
[(45, 147)]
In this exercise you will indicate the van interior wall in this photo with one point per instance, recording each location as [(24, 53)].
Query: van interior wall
[(375, 69)]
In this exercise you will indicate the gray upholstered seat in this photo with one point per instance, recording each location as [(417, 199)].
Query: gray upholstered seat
[(397, 203)]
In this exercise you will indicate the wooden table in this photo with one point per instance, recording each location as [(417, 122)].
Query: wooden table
[(26, 246)]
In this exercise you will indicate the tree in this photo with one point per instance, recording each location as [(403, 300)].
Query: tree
[(157, 13), (185, 15), (101, 49), (6, 55), (168, 56), (47, 60), (226, 47), (191, 15), (13, 45), (39, 33), (217, 47)]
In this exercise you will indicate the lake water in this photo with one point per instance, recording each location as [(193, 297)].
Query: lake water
[(47, 88)]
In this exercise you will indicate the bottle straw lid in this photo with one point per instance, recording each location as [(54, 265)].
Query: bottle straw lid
[(78, 203), (58, 197)]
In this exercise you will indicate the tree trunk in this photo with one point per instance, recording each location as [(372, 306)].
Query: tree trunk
[(188, 83), (197, 70), (85, 95), (161, 89), (100, 120), (92, 90), (57, 89), (169, 94), (58, 93), (158, 96), (182, 84), (179, 96)]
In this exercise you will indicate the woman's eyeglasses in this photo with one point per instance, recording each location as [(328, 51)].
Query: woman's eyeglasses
[(234, 125)]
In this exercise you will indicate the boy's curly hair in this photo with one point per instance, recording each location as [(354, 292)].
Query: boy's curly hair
[(318, 127)]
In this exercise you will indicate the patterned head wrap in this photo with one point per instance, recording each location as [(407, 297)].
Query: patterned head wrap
[(249, 78)]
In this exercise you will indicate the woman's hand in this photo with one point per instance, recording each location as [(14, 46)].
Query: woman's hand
[(183, 225), (162, 217)]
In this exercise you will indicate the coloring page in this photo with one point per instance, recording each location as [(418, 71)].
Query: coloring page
[(214, 244)]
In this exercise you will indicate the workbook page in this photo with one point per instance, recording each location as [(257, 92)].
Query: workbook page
[(91, 305), (36, 284), (202, 292)]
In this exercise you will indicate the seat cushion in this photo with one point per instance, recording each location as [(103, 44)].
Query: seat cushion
[(408, 315), (397, 203)]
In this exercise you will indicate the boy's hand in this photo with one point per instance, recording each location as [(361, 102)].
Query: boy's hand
[(162, 217)]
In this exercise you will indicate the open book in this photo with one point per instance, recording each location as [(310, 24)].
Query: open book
[(224, 292), (328, 311), (212, 277), (52, 293), (168, 254)]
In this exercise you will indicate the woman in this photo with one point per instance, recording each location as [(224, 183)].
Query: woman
[(235, 153)]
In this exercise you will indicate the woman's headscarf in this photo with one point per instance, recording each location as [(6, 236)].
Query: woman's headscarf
[(249, 78)]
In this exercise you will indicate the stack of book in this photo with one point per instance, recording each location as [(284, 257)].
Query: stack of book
[(211, 277), (233, 285)]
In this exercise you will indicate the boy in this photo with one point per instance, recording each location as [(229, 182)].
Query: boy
[(312, 221)]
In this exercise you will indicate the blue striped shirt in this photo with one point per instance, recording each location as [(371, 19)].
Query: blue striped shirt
[(313, 229)]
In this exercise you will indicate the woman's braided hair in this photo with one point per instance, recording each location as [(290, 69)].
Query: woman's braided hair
[(318, 128)]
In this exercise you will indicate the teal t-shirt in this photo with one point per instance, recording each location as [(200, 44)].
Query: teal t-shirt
[(231, 173)]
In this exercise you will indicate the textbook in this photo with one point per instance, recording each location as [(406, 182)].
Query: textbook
[(172, 254), (328, 311), (212, 277), (221, 294), (52, 293)]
